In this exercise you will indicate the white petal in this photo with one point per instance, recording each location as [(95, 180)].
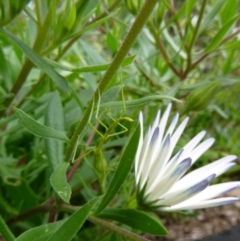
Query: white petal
[(194, 142), (136, 166), (188, 148), (173, 124), (171, 165), (156, 167), (185, 193), (204, 204), (179, 131), (215, 167), (144, 153), (166, 183), (163, 121), (156, 121), (213, 191), (153, 150), (200, 149)]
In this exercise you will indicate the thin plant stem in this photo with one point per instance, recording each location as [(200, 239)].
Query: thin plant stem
[(195, 34), (115, 229), (93, 219), (5, 231), (38, 12), (173, 11), (201, 58), (161, 48), (112, 70)]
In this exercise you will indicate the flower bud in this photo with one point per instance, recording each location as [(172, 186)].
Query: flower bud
[(69, 16), (10, 9), (201, 97), (100, 169), (133, 6)]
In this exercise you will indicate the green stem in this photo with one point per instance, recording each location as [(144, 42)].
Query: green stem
[(5, 231), (112, 70), (161, 48), (195, 34), (115, 229), (38, 12)]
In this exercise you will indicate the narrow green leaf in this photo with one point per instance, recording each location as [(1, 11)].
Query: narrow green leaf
[(59, 182), (90, 7), (220, 35), (137, 102), (5, 70), (69, 16), (211, 14), (92, 68), (38, 129), (54, 118), (40, 233), (135, 219), (7, 208), (229, 63), (5, 231), (230, 9), (112, 42), (175, 46), (59, 80), (110, 94), (129, 60), (70, 227), (17, 191), (122, 171), (189, 8), (92, 25)]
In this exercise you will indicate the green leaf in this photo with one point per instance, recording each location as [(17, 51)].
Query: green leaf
[(69, 16), (122, 171), (189, 8), (112, 42), (229, 62), (40, 233), (110, 94), (5, 70), (5, 231), (7, 208), (59, 80), (59, 182), (54, 118), (90, 26), (89, 7), (135, 219), (38, 129), (137, 102), (230, 9), (221, 33), (17, 191), (70, 227), (93, 68), (129, 60), (210, 16)]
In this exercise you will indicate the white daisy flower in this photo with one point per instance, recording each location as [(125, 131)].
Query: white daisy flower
[(161, 176)]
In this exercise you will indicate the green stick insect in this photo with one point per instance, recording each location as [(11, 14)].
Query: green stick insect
[(100, 163)]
